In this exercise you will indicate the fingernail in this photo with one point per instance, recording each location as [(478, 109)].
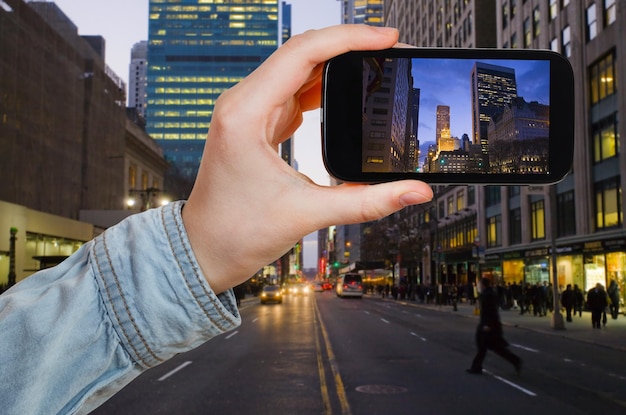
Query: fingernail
[(385, 30), (413, 198)]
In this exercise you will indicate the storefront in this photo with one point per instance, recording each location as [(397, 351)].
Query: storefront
[(537, 266), (491, 267), (581, 264), (513, 267), (605, 261)]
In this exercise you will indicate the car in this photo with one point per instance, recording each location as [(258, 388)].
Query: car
[(318, 287), (271, 293), (349, 285), (299, 289)]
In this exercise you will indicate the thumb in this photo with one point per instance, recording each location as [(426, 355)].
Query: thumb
[(355, 203)]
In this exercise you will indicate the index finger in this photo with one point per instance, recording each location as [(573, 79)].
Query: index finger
[(290, 67)]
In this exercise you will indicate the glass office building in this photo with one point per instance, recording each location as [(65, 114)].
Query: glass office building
[(196, 50)]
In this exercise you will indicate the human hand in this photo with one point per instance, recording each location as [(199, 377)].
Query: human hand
[(248, 207)]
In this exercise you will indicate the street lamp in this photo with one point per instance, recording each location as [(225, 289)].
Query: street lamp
[(148, 198)]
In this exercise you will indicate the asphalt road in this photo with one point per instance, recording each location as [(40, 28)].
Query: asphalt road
[(318, 354)]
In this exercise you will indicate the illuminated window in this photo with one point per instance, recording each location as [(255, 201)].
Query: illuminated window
[(602, 78), (132, 176), (536, 22), (494, 231), (460, 200), (605, 139), (553, 9), (375, 160), (608, 203), (537, 220)]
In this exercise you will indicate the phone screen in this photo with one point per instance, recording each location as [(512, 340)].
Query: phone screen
[(499, 116), (438, 115)]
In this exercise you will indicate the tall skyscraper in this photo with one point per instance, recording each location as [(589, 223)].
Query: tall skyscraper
[(492, 88), (363, 11), (138, 78), (413, 146), (442, 127), (387, 116), (443, 23), (196, 50)]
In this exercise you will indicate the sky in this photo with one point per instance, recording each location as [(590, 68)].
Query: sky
[(447, 82), (123, 23)]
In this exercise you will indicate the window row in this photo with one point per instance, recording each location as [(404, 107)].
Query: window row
[(607, 206)]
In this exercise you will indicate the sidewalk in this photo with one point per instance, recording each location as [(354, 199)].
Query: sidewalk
[(613, 335)]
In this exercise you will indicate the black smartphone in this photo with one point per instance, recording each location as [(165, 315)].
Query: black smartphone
[(455, 116)]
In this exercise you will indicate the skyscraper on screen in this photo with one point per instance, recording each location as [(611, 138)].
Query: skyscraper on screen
[(196, 50), (492, 88)]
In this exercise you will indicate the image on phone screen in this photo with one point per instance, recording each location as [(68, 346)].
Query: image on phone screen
[(455, 115)]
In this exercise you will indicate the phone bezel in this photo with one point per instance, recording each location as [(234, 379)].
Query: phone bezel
[(341, 117)]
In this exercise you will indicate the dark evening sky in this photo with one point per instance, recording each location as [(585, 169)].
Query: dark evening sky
[(447, 82)]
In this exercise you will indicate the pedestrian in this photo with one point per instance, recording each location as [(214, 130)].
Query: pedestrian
[(524, 303), (489, 334), (579, 300), (567, 301), (597, 302), (160, 282), (613, 292)]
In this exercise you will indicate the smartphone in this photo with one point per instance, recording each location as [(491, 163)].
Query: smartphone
[(455, 116)]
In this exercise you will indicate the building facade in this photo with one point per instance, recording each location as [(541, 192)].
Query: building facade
[(368, 12), (443, 23), (66, 140), (574, 230), (138, 78), (197, 50), (340, 245)]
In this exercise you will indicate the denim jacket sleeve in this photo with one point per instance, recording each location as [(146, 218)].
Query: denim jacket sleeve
[(73, 335)]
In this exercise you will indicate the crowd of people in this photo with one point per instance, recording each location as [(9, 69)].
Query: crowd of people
[(535, 299)]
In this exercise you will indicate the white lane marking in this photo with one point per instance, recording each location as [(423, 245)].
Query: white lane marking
[(232, 334), (528, 349), (255, 320), (418, 336), (366, 312), (418, 315), (384, 321), (171, 372), (514, 385)]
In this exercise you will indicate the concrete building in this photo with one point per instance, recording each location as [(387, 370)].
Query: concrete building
[(575, 229), (443, 23), (138, 78), (341, 245), (67, 145)]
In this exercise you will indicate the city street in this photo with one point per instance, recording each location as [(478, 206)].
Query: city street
[(318, 354)]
